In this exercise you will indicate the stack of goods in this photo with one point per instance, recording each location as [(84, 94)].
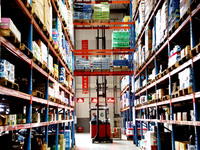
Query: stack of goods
[(50, 65), (68, 17), (62, 77), (36, 117), (148, 8), (54, 90), (6, 26), (7, 70), (184, 6), (55, 70), (149, 142), (161, 25), (136, 86), (68, 139), (183, 145), (121, 63), (186, 51), (124, 82), (185, 79), (148, 42), (82, 64), (101, 12), (43, 10), (139, 23), (125, 99), (62, 142), (52, 117), (174, 55), (136, 60), (174, 12), (120, 39), (141, 53), (126, 19), (82, 12), (69, 60), (40, 52), (134, 6), (101, 63)]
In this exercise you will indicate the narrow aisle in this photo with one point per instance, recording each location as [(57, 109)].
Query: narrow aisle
[(84, 142)]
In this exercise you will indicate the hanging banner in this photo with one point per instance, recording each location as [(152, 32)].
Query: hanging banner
[(85, 79)]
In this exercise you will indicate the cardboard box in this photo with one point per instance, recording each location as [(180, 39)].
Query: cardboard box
[(36, 118), (37, 8), (4, 68), (7, 23), (179, 116), (48, 15)]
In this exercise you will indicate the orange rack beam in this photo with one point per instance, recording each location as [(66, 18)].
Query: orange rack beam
[(83, 54), (101, 50), (101, 23), (95, 28), (98, 2), (103, 73)]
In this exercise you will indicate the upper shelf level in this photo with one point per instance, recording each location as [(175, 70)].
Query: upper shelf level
[(98, 2), (103, 73)]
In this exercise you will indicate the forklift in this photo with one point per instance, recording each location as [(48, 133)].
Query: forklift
[(100, 130)]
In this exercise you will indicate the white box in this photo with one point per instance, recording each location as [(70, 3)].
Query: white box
[(184, 116), (179, 116)]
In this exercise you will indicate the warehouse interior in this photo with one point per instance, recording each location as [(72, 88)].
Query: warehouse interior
[(99, 74)]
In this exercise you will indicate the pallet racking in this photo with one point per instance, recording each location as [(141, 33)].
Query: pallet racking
[(186, 26), (31, 27)]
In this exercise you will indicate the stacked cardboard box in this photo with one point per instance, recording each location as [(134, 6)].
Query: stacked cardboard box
[(12, 119), (101, 12), (36, 117), (101, 63), (181, 145), (7, 24), (82, 11), (48, 15), (184, 6), (124, 82), (148, 8), (7, 70), (55, 70), (38, 9), (82, 64), (120, 39), (185, 78), (50, 63), (174, 55), (62, 142), (148, 42), (68, 139), (174, 12), (62, 77)]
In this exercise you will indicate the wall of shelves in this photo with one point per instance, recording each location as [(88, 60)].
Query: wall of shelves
[(172, 102), (63, 110)]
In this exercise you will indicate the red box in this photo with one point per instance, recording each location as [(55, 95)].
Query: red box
[(102, 130), (80, 129)]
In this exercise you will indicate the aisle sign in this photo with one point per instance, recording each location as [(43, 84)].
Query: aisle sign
[(94, 100), (80, 100), (85, 79), (110, 100)]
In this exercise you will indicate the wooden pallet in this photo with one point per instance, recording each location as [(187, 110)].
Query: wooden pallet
[(52, 99), (166, 97), (175, 95), (25, 50), (185, 91), (38, 94), (185, 58), (36, 61), (10, 36), (37, 19), (63, 84), (195, 50), (176, 25), (6, 83), (101, 21)]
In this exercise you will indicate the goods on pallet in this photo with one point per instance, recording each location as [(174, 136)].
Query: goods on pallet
[(55, 70), (148, 42), (134, 6), (121, 63), (7, 70), (55, 36), (120, 39), (50, 63), (161, 25), (150, 141), (124, 82), (11, 119), (37, 8), (101, 12), (62, 77), (186, 51), (185, 78), (173, 13), (184, 7), (7, 24), (126, 19), (148, 8), (36, 51), (82, 12), (125, 99), (48, 15), (68, 138), (174, 55), (82, 64), (101, 63), (36, 118), (181, 145)]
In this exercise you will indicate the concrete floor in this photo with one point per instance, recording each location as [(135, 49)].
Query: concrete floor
[(84, 142)]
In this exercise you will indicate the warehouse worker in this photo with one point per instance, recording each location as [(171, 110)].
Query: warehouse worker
[(94, 117)]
